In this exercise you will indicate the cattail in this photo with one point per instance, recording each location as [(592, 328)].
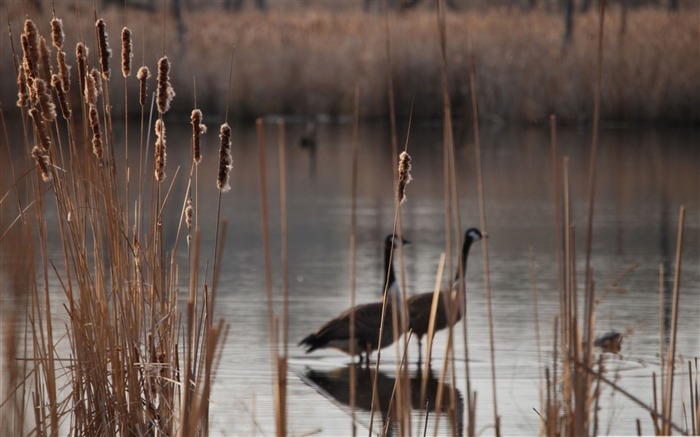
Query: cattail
[(40, 128), (404, 175), (225, 161), (81, 53), (197, 129), (48, 109), (189, 212), (98, 81), (165, 92), (30, 47), (63, 71), (103, 45), (143, 75), (57, 34), (90, 91), (42, 162), (44, 60), (22, 93), (160, 150), (126, 52), (62, 97), (96, 133)]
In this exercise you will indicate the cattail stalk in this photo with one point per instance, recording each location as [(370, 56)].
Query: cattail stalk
[(42, 162), (198, 128), (404, 175), (62, 97), (103, 45), (22, 91), (44, 60), (48, 109), (81, 53), (160, 150), (63, 71), (165, 92), (57, 34), (225, 160), (143, 75), (41, 130), (96, 133), (126, 52)]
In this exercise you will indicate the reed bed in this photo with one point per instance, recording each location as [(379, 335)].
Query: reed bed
[(95, 340), (524, 70)]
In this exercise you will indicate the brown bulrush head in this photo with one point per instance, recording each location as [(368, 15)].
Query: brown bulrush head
[(96, 134), (42, 162), (143, 75), (40, 128), (126, 52), (22, 93), (165, 92), (103, 45), (160, 150), (48, 109), (225, 160), (98, 81), (30, 47), (57, 35), (62, 98), (81, 53), (63, 71), (90, 91), (197, 129), (44, 60), (189, 212), (404, 175)]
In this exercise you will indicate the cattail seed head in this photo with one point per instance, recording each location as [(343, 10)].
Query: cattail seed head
[(44, 60), (198, 128), (98, 81), (81, 53), (126, 52), (90, 91), (404, 175), (30, 47), (165, 92), (160, 150), (103, 45), (143, 75), (225, 160), (48, 109), (22, 93), (42, 162), (63, 71), (189, 213), (57, 34), (96, 133), (40, 128), (62, 97)]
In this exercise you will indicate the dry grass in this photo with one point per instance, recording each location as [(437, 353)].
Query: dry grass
[(307, 62)]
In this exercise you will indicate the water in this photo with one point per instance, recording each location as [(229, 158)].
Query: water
[(644, 176)]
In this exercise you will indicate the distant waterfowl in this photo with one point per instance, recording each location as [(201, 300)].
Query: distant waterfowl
[(610, 342), (336, 333), (419, 306)]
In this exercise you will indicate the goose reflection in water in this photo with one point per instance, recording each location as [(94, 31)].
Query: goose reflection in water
[(335, 385)]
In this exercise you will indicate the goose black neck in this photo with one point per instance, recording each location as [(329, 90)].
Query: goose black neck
[(389, 278), (465, 253)]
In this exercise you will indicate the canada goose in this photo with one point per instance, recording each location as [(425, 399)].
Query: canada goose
[(336, 333), (419, 306)]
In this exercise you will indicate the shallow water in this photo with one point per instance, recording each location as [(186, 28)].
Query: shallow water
[(643, 178)]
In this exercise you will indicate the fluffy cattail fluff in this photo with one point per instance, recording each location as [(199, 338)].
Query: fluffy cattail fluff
[(225, 161), (98, 81), (48, 109), (40, 128), (90, 91), (63, 71), (30, 46), (22, 93), (404, 175), (165, 92), (57, 34), (103, 45), (62, 97), (143, 75), (42, 162), (44, 60), (126, 52), (160, 150), (197, 129), (189, 212), (96, 134), (81, 53)]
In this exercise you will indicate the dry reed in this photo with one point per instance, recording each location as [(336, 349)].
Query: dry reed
[(225, 160), (40, 128), (160, 150), (103, 46), (63, 71), (44, 63), (164, 91), (198, 128), (42, 162), (143, 75), (404, 175), (63, 101), (48, 109), (81, 54), (57, 34), (127, 54), (22, 90)]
